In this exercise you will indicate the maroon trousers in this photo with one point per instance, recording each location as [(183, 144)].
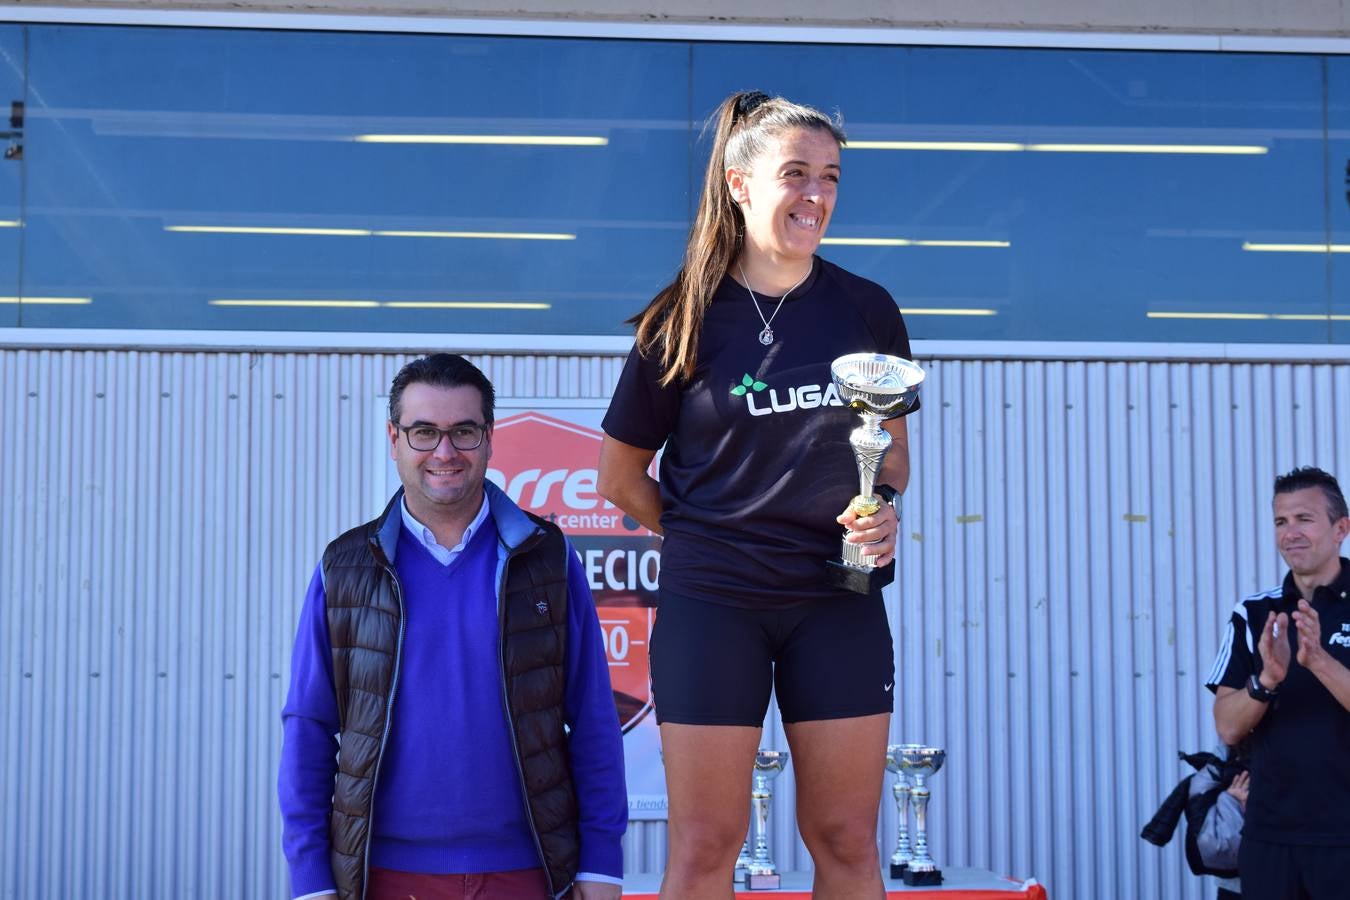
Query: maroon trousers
[(522, 884)]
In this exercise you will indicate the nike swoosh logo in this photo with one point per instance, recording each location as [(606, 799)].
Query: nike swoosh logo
[(889, 685)]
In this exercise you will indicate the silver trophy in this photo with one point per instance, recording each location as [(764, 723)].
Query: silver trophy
[(921, 763), (742, 862), (761, 874), (878, 387), (895, 765)]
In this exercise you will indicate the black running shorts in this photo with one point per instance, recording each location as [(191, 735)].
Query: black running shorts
[(714, 664)]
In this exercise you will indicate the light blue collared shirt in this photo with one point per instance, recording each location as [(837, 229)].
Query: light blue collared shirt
[(427, 539)]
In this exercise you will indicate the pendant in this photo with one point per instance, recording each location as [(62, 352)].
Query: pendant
[(766, 336)]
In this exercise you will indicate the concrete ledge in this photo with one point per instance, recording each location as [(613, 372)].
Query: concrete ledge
[(1320, 26)]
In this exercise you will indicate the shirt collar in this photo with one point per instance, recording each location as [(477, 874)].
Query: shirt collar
[(427, 538), (1339, 587)]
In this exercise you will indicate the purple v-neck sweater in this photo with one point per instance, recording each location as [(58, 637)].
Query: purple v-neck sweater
[(460, 810)]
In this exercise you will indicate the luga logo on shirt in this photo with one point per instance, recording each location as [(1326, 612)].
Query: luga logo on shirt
[(748, 383), (805, 396)]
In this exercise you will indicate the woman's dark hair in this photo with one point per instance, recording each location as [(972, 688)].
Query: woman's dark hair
[(743, 127)]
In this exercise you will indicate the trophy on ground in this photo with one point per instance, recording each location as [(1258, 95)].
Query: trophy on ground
[(761, 874), (878, 387), (900, 859), (921, 763), (743, 860)]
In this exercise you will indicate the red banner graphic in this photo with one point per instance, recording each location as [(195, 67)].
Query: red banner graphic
[(548, 466)]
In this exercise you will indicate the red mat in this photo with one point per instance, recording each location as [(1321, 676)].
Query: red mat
[(1031, 892)]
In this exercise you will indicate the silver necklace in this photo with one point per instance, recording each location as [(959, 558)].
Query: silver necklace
[(766, 336)]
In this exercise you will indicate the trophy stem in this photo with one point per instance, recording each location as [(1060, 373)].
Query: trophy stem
[(922, 871), (743, 861), (761, 798), (901, 858), (920, 794), (869, 442), (761, 874), (856, 566)]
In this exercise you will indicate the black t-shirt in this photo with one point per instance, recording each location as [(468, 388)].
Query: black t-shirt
[(1300, 790), (757, 463)]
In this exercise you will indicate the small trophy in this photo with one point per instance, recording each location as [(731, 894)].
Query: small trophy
[(878, 387), (922, 763), (742, 862), (894, 764), (761, 874)]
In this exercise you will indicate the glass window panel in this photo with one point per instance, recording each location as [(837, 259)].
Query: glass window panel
[(1101, 244), (1338, 188), (11, 174), (157, 158), (138, 134)]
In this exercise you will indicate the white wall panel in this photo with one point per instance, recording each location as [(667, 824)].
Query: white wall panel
[(1075, 536)]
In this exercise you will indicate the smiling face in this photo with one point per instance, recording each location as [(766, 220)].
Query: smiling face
[(787, 194), (444, 483), (1307, 537)]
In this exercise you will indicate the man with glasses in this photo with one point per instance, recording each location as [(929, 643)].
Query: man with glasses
[(450, 729)]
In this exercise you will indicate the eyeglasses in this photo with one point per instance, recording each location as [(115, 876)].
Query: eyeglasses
[(424, 438)]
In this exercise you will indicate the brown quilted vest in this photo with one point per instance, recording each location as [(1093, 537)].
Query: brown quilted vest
[(365, 623)]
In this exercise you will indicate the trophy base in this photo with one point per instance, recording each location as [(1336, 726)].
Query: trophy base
[(860, 581), (898, 870), (925, 878), (767, 882), (739, 877)]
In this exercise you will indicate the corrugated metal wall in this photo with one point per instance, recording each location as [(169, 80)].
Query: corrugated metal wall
[(1077, 532)]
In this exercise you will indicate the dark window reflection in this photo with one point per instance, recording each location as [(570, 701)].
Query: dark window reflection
[(1338, 189), (206, 179), (183, 178), (1028, 219), (11, 173)]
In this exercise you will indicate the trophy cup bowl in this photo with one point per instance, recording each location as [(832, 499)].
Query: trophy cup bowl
[(883, 384), (893, 752), (917, 758), (894, 764), (761, 875), (768, 763), (878, 387), (922, 763)]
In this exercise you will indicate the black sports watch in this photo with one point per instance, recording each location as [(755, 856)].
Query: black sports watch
[(886, 492), (1257, 691)]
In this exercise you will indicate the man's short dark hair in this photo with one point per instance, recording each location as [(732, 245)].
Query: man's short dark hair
[(443, 370), (1309, 477)]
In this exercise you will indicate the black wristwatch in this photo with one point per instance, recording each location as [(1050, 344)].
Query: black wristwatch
[(1257, 691), (886, 492)]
